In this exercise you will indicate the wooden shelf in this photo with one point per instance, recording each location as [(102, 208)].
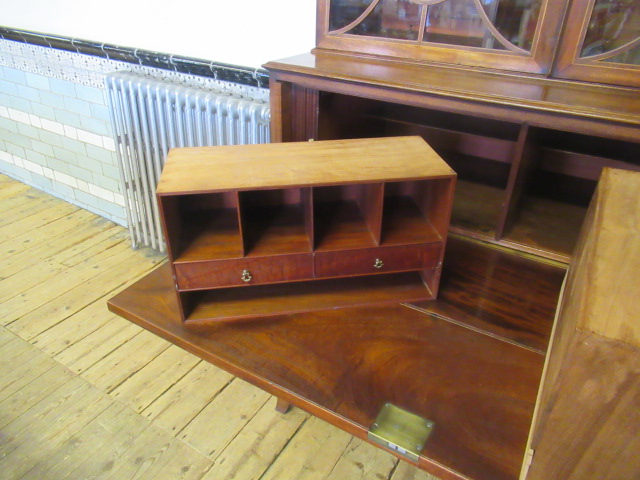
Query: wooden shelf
[(404, 224), (476, 207), (493, 141), (213, 234), (341, 226), (275, 231), (547, 225), (235, 304), (313, 210)]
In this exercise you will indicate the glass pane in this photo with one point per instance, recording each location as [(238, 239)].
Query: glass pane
[(401, 19), (516, 20), (390, 19), (458, 22), (630, 56), (613, 23), (343, 12)]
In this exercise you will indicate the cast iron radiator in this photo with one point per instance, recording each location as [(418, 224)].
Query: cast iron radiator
[(149, 116)]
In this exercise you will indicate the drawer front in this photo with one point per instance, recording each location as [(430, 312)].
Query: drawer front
[(376, 260), (244, 271)]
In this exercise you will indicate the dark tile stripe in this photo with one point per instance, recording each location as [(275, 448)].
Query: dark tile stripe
[(192, 66)]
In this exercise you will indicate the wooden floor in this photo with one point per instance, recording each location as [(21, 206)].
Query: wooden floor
[(85, 394)]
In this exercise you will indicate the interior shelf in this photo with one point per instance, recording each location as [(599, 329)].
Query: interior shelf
[(547, 225), (276, 231), (274, 222), (216, 235), (341, 225), (263, 301), (520, 184), (346, 217), (476, 207), (404, 224), (201, 226)]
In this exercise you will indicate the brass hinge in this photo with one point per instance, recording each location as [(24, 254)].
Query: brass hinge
[(401, 431)]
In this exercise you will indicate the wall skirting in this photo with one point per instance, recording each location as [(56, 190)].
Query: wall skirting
[(135, 56)]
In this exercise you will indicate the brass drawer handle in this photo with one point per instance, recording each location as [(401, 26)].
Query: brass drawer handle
[(246, 276), (378, 263)]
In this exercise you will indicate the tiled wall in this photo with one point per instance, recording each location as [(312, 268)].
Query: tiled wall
[(55, 132), (55, 135)]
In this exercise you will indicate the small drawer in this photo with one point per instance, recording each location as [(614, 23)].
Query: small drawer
[(243, 271), (376, 260)]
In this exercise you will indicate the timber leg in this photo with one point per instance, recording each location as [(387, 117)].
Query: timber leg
[(282, 406)]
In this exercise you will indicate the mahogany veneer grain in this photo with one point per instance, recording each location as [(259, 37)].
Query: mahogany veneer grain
[(500, 293), (344, 364)]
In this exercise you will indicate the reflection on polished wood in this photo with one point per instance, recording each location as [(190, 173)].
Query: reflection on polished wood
[(477, 379), (501, 294)]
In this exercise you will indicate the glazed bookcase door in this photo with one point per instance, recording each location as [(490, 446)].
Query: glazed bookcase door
[(518, 35), (601, 42)]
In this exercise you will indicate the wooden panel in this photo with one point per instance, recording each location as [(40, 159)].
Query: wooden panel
[(592, 430), (370, 201), (476, 208), (343, 364), (262, 301), (224, 273), (444, 140), (570, 310), (362, 262), (498, 96), (546, 227), (306, 197), (279, 99), (580, 165), (202, 169), (595, 375), (523, 163), (610, 260), (288, 102), (436, 204)]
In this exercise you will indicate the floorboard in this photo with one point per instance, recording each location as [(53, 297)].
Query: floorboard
[(85, 394)]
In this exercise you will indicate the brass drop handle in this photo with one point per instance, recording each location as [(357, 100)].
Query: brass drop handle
[(246, 276), (378, 263)]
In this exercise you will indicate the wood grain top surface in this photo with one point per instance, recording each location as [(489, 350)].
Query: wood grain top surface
[(344, 364), (477, 384), (299, 164), (618, 104)]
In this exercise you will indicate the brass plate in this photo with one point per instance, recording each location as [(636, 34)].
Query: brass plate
[(401, 431)]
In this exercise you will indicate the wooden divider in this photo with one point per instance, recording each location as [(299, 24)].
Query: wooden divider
[(587, 420)]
